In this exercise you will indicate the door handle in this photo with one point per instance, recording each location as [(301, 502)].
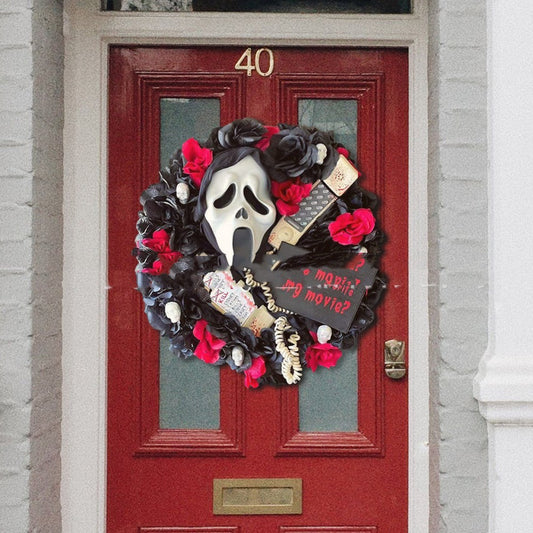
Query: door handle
[(395, 359)]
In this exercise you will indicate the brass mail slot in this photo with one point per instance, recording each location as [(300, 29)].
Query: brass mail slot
[(257, 496)]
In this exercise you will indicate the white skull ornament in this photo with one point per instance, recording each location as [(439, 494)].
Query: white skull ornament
[(238, 197)]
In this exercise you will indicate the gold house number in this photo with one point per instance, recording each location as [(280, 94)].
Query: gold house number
[(245, 62)]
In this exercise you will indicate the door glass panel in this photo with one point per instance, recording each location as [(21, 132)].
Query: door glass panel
[(338, 116), (188, 392), (188, 389), (305, 6), (272, 6), (183, 118), (328, 397)]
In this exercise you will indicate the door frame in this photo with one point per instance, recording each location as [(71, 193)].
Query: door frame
[(88, 34)]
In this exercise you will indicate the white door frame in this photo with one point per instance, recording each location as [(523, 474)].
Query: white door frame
[(88, 33)]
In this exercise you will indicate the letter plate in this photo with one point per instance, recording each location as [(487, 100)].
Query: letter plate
[(257, 496)]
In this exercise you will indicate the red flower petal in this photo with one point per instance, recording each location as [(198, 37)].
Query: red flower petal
[(199, 329), (190, 149), (286, 209), (209, 347), (158, 242), (198, 159), (325, 355), (275, 189), (156, 269), (264, 142), (290, 193), (167, 259), (350, 228), (252, 374)]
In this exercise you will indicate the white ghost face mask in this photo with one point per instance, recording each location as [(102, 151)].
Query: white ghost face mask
[(238, 197)]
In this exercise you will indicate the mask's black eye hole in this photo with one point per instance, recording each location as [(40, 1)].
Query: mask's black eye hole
[(226, 198), (256, 204)]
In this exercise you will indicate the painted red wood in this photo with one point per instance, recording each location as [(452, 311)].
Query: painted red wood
[(161, 480), (152, 86), (328, 529)]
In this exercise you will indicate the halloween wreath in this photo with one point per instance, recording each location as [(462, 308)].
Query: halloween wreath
[(258, 249)]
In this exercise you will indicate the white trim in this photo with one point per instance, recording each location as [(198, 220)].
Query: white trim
[(504, 383), (87, 35)]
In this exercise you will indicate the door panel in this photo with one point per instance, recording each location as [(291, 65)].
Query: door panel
[(327, 401), (336, 115), (188, 393), (162, 457)]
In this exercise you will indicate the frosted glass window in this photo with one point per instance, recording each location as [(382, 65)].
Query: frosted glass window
[(272, 6), (188, 389), (183, 118), (188, 392), (328, 397), (338, 116)]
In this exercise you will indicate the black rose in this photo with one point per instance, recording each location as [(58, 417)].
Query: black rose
[(290, 154), (242, 132)]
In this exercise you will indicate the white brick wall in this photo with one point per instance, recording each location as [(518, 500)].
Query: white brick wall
[(458, 263), (15, 263), (30, 264)]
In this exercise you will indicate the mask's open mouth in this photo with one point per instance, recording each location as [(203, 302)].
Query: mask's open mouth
[(242, 247)]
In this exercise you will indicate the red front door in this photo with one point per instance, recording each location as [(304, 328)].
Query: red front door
[(170, 437)]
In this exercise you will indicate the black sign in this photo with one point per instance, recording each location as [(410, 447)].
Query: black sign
[(328, 295)]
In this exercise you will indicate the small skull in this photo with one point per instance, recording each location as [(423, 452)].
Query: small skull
[(237, 354), (183, 192), (322, 153), (173, 312), (323, 334)]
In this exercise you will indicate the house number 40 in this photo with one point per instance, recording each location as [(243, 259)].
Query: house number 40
[(245, 62)]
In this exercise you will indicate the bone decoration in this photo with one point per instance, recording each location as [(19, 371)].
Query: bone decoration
[(183, 192), (173, 312), (323, 334), (237, 354)]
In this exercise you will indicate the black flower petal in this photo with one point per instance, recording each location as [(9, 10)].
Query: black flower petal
[(242, 132), (292, 153)]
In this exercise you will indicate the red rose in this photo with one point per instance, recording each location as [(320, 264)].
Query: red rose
[(264, 141), (160, 243), (209, 347), (290, 193), (350, 228), (198, 159), (167, 259), (252, 374), (156, 269), (325, 355)]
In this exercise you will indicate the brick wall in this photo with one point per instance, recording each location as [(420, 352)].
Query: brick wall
[(30, 264), (15, 262), (458, 262)]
